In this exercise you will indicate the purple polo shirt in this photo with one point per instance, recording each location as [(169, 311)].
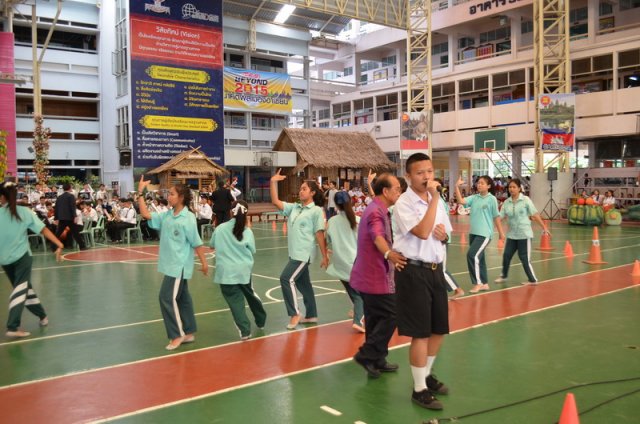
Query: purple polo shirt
[(371, 272)]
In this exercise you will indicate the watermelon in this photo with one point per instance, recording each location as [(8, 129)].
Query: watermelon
[(585, 215), (613, 217)]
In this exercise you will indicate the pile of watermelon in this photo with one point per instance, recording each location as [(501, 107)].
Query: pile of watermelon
[(585, 215)]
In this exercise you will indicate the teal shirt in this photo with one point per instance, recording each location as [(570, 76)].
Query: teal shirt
[(304, 223), (15, 244), (343, 241), (519, 215), (178, 237), (234, 259), (484, 209)]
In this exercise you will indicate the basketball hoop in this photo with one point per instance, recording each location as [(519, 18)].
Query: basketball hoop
[(486, 149)]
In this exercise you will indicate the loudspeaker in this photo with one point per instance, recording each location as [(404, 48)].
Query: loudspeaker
[(552, 174), (125, 158)]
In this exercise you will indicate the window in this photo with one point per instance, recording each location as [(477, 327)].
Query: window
[(119, 57), (577, 15), (235, 120), (592, 74), (474, 92), (605, 9), (464, 42), (267, 65), (629, 4), (502, 33), (122, 128), (348, 71), (388, 61), (440, 48), (342, 114), (387, 107), (526, 27), (629, 68), (443, 96), (508, 86), (324, 114), (363, 110)]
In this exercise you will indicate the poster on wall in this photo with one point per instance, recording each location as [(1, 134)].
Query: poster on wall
[(557, 114), (257, 91), (7, 105), (414, 134), (176, 80)]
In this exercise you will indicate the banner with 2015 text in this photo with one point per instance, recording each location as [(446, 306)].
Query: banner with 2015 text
[(257, 91)]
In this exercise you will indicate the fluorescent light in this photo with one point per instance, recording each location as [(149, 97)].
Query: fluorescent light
[(284, 13)]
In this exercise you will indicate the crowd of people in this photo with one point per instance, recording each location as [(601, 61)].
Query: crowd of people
[(390, 256)]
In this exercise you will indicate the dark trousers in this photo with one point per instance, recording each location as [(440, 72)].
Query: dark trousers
[(523, 247), (235, 295), (73, 229), (148, 233), (177, 307), (358, 304), (294, 278), (380, 323), (475, 259), (115, 228), (221, 216), (19, 274)]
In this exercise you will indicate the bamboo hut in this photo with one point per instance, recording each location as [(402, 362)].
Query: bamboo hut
[(189, 167), (341, 156)]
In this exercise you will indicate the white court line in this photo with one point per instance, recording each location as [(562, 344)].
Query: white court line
[(287, 375), (330, 410)]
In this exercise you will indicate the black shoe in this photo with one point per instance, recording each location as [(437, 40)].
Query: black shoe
[(369, 367), (426, 399), (436, 386), (387, 367)]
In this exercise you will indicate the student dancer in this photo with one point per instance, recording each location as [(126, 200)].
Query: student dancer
[(235, 247), (484, 215), (16, 259), (519, 210), (178, 239), (306, 227), (342, 236), (422, 310)]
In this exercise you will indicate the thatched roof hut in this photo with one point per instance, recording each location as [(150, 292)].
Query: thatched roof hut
[(188, 166), (344, 156)]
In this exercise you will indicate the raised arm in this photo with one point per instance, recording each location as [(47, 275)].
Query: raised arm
[(458, 194), (275, 179), (144, 211), (370, 178)]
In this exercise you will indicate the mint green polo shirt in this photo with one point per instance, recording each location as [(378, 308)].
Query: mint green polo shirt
[(178, 237), (518, 214), (484, 209), (15, 243), (304, 223), (234, 259), (343, 241)]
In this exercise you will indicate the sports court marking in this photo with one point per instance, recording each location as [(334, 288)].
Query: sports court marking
[(124, 396)]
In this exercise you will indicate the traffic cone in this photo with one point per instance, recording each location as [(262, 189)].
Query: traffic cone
[(569, 413), (545, 242), (568, 249), (463, 238), (595, 256), (500, 243), (635, 272)]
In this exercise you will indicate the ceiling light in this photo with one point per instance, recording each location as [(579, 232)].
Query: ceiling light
[(284, 13)]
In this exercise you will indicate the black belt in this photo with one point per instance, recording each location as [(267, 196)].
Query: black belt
[(430, 265)]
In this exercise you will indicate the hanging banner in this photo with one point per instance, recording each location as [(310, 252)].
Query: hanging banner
[(557, 116), (176, 80), (8, 105), (257, 91), (414, 134)]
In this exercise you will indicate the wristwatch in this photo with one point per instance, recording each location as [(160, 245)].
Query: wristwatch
[(446, 240)]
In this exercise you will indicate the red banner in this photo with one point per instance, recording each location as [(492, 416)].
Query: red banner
[(8, 101)]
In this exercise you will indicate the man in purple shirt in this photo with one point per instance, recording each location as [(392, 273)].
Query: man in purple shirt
[(372, 275)]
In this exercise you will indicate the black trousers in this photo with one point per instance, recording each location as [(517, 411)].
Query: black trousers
[(380, 323), (73, 229), (221, 216)]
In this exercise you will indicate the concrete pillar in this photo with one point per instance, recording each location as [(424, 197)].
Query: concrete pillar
[(516, 160), (454, 171)]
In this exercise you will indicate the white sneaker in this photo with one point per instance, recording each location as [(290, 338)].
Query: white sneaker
[(17, 333), (500, 280)]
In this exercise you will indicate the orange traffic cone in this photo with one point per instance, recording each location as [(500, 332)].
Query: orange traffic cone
[(568, 249), (545, 241), (500, 243), (569, 413), (635, 272), (595, 256), (463, 238)]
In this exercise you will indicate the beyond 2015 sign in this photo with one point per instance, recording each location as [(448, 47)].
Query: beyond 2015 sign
[(254, 90)]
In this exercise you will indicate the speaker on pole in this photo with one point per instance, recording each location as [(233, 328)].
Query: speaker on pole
[(552, 174), (125, 158)]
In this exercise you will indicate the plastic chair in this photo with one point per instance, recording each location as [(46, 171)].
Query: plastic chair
[(206, 231), (87, 234), (39, 239), (136, 231), (98, 231)]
